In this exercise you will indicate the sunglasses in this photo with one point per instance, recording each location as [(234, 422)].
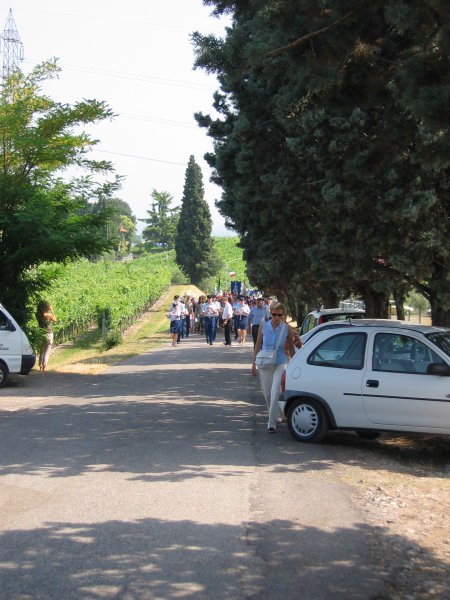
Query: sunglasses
[(277, 314)]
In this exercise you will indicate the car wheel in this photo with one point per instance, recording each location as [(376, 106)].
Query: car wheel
[(368, 435), (307, 421), (3, 375)]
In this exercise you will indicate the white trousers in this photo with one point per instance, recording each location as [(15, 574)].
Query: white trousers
[(271, 387)]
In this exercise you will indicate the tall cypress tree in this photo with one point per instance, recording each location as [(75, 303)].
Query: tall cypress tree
[(194, 246), (331, 145)]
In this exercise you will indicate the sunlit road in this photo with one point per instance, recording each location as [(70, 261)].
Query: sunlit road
[(157, 479)]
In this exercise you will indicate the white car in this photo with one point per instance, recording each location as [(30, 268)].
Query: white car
[(369, 376), (326, 315)]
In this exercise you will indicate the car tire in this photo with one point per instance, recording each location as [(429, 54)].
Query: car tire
[(368, 435), (3, 375), (307, 421)]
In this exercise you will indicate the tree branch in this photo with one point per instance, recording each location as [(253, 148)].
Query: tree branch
[(311, 35)]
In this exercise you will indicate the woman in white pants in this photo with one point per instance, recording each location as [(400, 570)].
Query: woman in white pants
[(269, 339)]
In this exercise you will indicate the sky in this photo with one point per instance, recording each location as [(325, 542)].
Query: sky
[(138, 58)]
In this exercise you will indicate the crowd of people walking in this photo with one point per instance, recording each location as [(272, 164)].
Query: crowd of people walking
[(240, 314), (262, 317)]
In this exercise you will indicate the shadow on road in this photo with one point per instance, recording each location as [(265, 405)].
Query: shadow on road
[(133, 560)]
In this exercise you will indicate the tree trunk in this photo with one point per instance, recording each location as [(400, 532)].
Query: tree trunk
[(377, 304), (439, 286), (399, 298), (330, 300), (440, 313)]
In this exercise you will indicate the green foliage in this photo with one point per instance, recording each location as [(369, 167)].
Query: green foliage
[(162, 222), (84, 291), (42, 217), (332, 146), (112, 339), (194, 246), (231, 257)]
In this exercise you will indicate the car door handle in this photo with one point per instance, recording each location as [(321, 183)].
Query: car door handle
[(372, 383)]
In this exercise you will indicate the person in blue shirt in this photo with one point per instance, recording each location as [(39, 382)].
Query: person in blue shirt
[(274, 334), (259, 314)]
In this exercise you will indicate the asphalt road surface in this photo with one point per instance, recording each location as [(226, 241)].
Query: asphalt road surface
[(157, 480)]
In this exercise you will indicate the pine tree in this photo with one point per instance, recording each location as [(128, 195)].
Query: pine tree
[(194, 246), (162, 221)]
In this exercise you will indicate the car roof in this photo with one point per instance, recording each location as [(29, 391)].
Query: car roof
[(387, 323), (338, 311)]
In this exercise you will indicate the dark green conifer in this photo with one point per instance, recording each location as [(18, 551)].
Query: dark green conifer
[(194, 246)]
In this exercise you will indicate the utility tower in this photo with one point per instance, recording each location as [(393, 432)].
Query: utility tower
[(11, 47)]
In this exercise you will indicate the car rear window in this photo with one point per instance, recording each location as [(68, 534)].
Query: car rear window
[(342, 351), (342, 317)]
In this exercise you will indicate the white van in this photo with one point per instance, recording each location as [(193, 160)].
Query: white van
[(16, 353)]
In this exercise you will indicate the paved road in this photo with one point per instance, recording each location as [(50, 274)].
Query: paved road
[(157, 479)]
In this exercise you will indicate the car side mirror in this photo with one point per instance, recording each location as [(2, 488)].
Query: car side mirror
[(438, 369)]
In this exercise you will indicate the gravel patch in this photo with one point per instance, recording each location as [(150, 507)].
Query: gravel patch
[(402, 485)]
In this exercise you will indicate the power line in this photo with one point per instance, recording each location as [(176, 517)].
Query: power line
[(169, 162), (158, 120), (103, 18), (132, 76)]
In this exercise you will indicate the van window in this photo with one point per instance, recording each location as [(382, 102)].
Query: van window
[(4, 325)]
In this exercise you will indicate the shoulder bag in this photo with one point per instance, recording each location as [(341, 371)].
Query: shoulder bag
[(268, 358)]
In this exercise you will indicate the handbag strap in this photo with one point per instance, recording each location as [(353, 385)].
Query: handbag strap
[(279, 337)]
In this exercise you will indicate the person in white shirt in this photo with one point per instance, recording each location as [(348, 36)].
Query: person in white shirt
[(180, 303), (227, 316), (242, 311), (175, 316), (209, 313), (218, 306), (235, 305)]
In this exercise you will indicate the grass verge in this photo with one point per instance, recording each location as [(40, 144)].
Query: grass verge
[(85, 354)]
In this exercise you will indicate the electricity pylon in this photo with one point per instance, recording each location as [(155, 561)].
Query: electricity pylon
[(11, 47)]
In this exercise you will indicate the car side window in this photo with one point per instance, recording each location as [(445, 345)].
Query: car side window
[(402, 354), (342, 351)]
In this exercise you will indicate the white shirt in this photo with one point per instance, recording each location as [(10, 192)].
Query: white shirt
[(209, 310), (242, 310), (227, 312), (174, 313)]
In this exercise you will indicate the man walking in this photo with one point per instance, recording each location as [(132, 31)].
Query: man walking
[(259, 314), (227, 315), (209, 312)]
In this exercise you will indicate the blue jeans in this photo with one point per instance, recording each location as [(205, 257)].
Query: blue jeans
[(215, 323), (209, 329)]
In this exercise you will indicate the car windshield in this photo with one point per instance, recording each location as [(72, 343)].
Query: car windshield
[(441, 339)]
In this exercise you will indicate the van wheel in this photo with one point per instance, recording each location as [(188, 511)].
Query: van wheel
[(3, 375), (307, 421)]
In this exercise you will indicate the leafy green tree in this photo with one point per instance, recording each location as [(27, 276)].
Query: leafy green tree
[(195, 251), (43, 217), (162, 222)]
